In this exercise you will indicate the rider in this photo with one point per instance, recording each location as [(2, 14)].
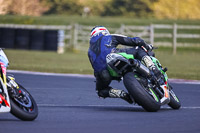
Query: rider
[(103, 43)]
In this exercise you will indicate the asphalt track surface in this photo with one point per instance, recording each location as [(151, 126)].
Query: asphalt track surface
[(69, 104)]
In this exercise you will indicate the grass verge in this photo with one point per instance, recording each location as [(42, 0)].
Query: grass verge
[(184, 65)]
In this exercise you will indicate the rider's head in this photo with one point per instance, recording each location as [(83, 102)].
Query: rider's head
[(99, 29)]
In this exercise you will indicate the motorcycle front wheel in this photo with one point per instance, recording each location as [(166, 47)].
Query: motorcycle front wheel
[(23, 106), (174, 100)]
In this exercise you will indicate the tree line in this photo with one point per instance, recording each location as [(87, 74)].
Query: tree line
[(173, 9)]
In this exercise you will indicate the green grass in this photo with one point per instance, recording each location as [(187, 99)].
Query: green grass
[(184, 65), (48, 61)]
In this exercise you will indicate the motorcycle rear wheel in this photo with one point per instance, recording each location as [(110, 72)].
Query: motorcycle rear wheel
[(139, 94), (24, 110)]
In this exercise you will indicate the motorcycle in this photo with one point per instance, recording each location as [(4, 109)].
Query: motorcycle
[(14, 98), (142, 85)]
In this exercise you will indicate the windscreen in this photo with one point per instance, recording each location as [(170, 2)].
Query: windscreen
[(3, 58)]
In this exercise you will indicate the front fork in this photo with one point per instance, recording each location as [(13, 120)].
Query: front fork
[(163, 91), (162, 86), (166, 96), (11, 82), (13, 87)]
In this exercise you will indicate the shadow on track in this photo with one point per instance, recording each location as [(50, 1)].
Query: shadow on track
[(114, 108), (120, 108), (105, 108)]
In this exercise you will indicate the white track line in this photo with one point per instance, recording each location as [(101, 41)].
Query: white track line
[(50, 74)]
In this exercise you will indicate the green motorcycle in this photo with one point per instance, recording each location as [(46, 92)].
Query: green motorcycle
[(144, 88)]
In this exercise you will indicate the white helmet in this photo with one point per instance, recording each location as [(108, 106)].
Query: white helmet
[(99, 29)]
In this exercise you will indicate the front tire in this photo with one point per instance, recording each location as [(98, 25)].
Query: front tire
[(174, 101), (139, 94), (24, 110)]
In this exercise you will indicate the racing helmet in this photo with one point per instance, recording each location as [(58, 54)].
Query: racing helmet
[(99, 29)]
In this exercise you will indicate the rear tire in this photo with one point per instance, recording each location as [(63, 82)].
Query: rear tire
[(21, 112), (139, 94)]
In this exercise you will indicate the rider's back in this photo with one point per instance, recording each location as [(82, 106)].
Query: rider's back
[(100, 47)]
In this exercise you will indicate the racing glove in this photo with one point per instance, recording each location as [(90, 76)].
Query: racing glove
[(141, 42)]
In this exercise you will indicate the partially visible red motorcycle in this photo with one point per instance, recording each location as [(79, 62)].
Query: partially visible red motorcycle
[(14, 98)]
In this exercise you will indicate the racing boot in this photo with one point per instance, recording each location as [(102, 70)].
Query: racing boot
[(149, 63), (115, 93)]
